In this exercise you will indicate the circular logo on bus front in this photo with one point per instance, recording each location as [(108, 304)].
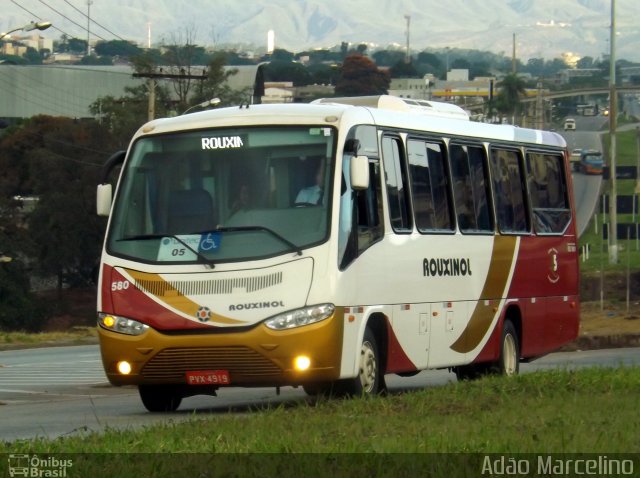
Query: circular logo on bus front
[(203, 314)]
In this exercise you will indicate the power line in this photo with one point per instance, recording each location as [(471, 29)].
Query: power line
[(40, 18), (69, 19), (93, 21)]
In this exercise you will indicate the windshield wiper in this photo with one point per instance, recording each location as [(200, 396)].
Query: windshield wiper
[(281, 238), (144, 237)]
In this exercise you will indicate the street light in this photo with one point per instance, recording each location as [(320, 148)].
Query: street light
[(204, 104), (28, 27)]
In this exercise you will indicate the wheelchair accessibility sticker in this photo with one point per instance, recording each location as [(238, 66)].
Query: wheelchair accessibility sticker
[(187, 247)]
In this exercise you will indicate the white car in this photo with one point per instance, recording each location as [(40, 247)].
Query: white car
[(569, 124)]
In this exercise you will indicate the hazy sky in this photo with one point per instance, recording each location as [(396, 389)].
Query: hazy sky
[(544, 28)]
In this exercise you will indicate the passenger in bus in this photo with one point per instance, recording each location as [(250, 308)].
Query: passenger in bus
[(312, 194), (242, 201)]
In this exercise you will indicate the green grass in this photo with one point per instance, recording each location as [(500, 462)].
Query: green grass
[(591, 410), (75, 335)]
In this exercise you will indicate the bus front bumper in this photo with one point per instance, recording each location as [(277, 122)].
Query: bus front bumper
[(255, 357)]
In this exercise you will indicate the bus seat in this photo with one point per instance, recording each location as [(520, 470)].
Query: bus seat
[(190, 211)]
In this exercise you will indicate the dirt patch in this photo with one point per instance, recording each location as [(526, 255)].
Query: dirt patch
[(612, 285)]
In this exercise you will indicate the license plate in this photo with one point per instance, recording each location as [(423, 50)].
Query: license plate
[(208, 377)]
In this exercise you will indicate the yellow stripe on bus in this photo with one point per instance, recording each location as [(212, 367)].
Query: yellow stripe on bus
[(502, 257), (172, 297)]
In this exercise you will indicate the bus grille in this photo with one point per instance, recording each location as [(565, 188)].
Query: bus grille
[(210, 287), (240, 362)]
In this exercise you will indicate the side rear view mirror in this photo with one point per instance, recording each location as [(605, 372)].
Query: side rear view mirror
[(359, 170), (104, 196)]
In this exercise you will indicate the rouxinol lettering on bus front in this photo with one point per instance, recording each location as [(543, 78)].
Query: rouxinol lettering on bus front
[(327, 245)]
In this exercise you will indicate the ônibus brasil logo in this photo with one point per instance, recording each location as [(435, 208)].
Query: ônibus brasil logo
[(38, 467)]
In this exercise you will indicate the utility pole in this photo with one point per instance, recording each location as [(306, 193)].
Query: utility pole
[(613, 114), (89, 3), (637, 159), (513, 56), (539, 106), (151, 110), (407, 58), (152, 77)]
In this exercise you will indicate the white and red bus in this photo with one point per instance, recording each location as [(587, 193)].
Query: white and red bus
[(326, 245)]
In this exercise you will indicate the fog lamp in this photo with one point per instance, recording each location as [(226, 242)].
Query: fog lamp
[(302, 362), (124, 367)]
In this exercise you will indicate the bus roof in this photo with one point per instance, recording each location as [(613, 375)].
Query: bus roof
[(384, 110), (394, 103)]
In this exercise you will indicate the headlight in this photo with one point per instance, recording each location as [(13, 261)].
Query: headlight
[(300, 317), (121, 324)]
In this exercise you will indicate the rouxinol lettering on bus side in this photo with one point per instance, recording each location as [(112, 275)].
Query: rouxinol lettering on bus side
[(446, 267)]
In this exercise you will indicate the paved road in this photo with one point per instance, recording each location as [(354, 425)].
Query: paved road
[(586, 188), (55, 392)]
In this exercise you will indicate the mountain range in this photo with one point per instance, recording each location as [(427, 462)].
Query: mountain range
[(542, 28)]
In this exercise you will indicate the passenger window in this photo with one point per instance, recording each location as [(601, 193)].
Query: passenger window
[(470, 188), (548, 192), (397, 185), (429, 186), (508, 185)]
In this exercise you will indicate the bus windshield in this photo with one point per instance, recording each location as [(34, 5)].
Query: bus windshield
[(224, 195)]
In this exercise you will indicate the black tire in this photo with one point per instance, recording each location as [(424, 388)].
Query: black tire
[(159, 398), (319, 389), (370, 379), (471, 372), (509, 361)]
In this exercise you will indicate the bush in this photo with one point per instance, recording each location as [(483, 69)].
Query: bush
[(19, 309)]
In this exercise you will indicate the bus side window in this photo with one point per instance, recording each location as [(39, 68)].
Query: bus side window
[(429, 186), (369, 210), (509, 191), (548, 193), (397, 184), (470, 186)]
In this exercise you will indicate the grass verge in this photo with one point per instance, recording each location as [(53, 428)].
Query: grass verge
[(73, 336), (587, 411)]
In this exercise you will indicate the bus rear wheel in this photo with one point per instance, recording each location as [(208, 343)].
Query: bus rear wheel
[(159, 398)]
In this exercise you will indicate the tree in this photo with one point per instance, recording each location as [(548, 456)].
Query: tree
[(361, 76), (215, 84), (429, 63), (282, 70), (585, 62), (180, 56), (460, 64), (65, 235), (281, 55), (56, 160), (388, 57), (512, 88), (402, 69), (76, 45), (122, 116), (121, 48), (33, 56), (19, 309)]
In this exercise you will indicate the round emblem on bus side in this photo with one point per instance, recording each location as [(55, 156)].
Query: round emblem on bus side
[(203, 314), (553, 275)]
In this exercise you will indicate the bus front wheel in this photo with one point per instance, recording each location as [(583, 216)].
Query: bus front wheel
[(159, 398), (370, 379), (509, 362)]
